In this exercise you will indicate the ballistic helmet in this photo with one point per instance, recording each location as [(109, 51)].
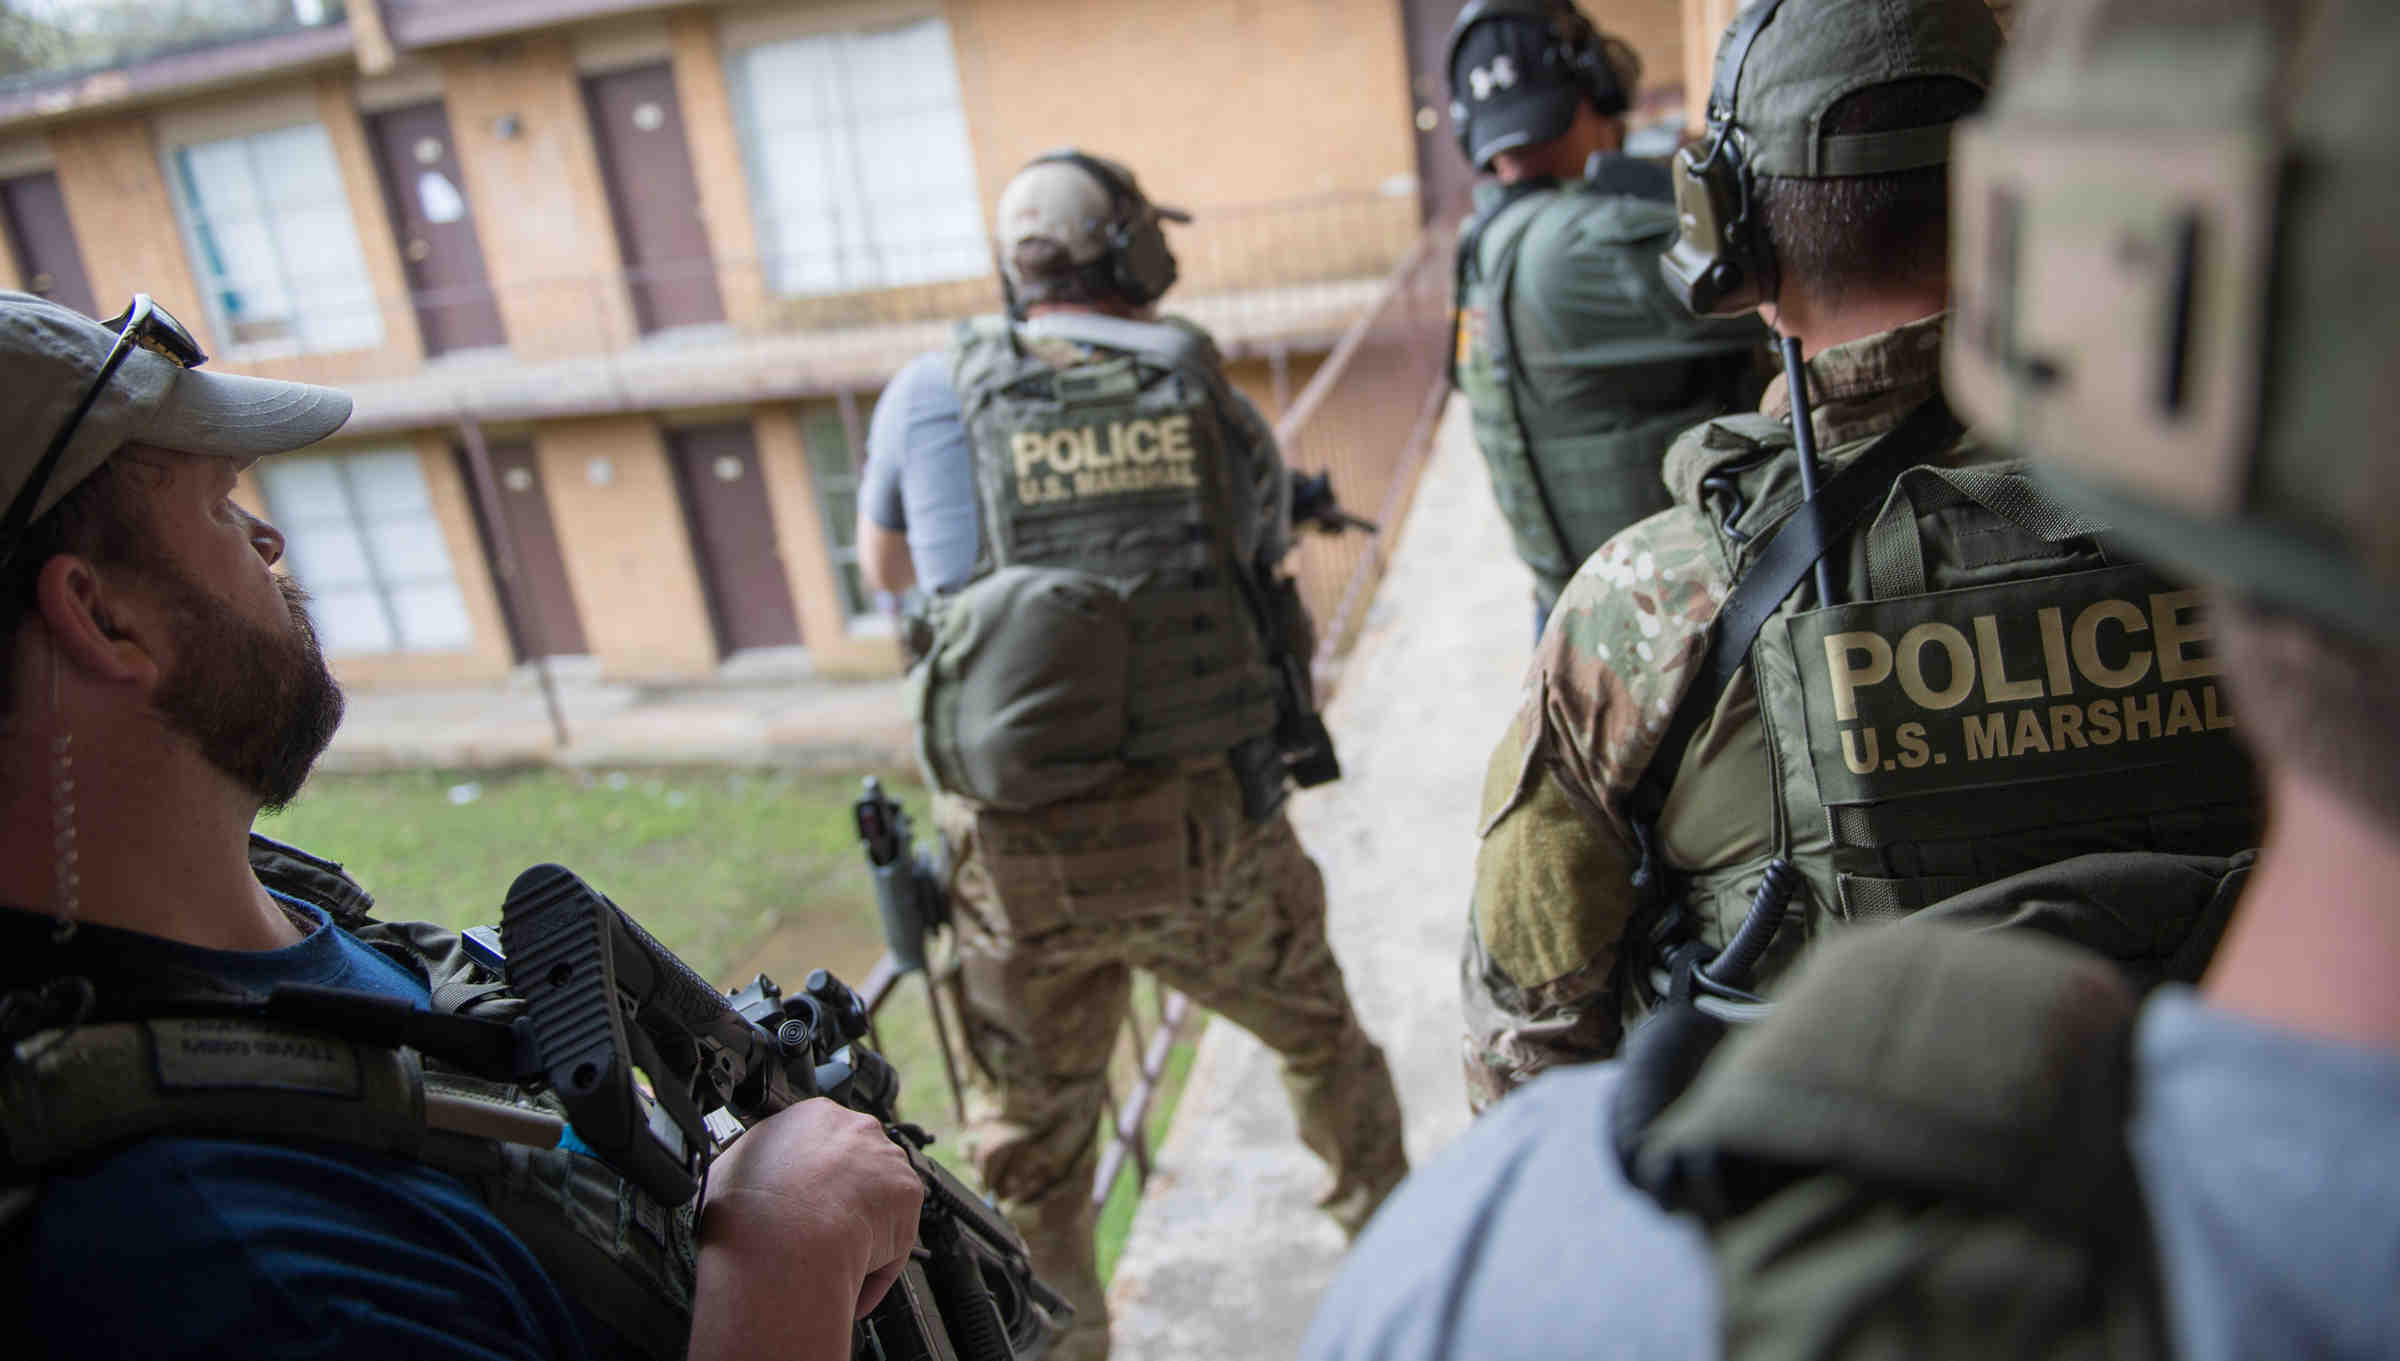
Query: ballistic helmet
[(2178, 286)]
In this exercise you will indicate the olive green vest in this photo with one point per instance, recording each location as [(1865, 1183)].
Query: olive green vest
[(1107, 453), (71, 1091), (1568, 476), (2001, 689)]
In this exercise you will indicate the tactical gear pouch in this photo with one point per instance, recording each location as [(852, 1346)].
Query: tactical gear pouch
[(1923, 1153), (1023, 699)]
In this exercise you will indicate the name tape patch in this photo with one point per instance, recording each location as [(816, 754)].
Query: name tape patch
[(1132, 455), (2025, 680), (194, 1055)]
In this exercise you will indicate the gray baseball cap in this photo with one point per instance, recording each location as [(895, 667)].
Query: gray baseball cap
[(49, 355), (1065, 196), (1812, 53)]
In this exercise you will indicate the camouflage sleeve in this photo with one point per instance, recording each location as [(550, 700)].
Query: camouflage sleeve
[(1553, 891)]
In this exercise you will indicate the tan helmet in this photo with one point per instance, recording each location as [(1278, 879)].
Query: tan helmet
[(2178, 285)]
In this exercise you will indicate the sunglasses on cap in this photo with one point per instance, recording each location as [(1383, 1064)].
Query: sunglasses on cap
[(145, 324)]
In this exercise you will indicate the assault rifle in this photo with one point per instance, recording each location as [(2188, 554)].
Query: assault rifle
[(911, 900), (603, 999), (1300, 748)]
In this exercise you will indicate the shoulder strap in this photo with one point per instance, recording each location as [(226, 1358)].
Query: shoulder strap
[(1789, 553), (1170, 346)]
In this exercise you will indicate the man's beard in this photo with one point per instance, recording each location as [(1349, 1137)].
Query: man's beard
[(258, 701)]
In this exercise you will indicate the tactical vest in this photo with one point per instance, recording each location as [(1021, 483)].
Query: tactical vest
[(1100, 447), (147, 1059), (2001, 689), (1565, 494), (1958, 1182)]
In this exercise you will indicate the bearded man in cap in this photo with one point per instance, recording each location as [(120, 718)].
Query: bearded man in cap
[(1804, 698), (1578, 363), (1098, 517), (1990, 1143), (179, 1177)]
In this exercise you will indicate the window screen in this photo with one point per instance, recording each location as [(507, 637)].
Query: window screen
[(360, 533), (274, 243), (860, 169)]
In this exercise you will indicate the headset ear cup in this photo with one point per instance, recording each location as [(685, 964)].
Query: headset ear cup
[(1143, 265)]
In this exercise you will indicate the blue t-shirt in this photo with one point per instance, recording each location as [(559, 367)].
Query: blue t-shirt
[(920, 472), (181, 1247)]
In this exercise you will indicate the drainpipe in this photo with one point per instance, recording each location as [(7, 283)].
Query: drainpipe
[(504, 563)]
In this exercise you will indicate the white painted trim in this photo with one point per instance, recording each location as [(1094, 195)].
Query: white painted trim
[(246, 117)]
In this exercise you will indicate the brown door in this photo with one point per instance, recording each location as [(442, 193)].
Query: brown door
[(638, 128), (733, 536), (540, 607), (1443, 176), (426, 197), (47, 258)]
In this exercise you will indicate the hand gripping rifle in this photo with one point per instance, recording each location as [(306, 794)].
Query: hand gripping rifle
[(602, 999)]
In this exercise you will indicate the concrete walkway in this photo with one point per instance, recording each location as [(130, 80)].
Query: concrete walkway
[(1228, 1254)]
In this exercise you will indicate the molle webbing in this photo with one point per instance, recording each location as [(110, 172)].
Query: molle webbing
[(1114, 461)]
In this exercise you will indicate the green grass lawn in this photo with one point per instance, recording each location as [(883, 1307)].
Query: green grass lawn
[(738, 871)]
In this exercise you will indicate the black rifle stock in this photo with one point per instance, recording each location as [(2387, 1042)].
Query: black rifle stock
[(603, 999)]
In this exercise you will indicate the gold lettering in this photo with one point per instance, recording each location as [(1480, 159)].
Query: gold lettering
[(1986, 734), (1992, 659), (1066, 452), (2141, 711), (2054, 652), (1913, 751), (2066, 726), (2105, 728), (2218, 719), (1847, 678), (1911, 661), (2029, 735), (2087, 644), (2177, 619), (1141, 441), (1860, 765), (1175, 438), (1026, 447), (2182, 714)]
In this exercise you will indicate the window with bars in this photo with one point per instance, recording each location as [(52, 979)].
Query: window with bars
[(275, 246), (833, 467), (360, 533), (860, 170)]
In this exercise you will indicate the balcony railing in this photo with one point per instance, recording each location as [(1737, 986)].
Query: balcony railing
[(1288, 274)]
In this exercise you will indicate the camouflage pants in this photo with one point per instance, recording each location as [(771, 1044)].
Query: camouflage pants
[(1055, 907)]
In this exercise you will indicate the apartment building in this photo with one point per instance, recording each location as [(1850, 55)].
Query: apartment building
[(615, 282)]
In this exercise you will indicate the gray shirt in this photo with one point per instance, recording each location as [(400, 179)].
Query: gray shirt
[(920, 474), (2265, 1158)]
